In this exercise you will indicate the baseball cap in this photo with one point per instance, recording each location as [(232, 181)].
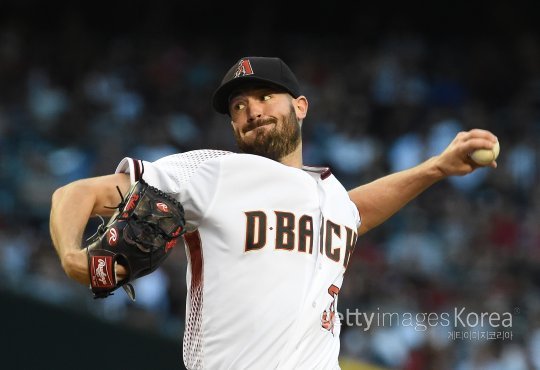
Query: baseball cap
[(253, 70)]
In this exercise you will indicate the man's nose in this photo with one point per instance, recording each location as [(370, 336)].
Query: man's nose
[(254, 110)]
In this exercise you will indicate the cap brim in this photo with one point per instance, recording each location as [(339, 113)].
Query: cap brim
[(220, 100)]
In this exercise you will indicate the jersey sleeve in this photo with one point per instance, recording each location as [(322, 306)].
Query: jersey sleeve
[(191, 177)]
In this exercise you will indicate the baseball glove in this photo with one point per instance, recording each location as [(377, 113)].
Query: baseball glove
[(138, 236)]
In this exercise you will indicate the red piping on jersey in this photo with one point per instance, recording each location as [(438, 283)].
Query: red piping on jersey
[(193, 242), (136, 169), (326, 173)]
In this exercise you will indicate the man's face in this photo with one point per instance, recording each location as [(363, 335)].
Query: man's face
[(265, 122)]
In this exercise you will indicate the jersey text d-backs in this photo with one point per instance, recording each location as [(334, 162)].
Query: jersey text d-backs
[(268, 245)]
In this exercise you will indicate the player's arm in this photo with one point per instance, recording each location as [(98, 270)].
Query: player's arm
[(72, 206), (380, 199)]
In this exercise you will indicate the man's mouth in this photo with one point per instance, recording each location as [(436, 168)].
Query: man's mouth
[(258, 124)]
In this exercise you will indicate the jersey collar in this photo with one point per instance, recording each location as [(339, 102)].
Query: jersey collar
[(323, 172)]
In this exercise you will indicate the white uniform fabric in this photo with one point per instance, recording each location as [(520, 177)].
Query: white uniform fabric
[(267, 249)]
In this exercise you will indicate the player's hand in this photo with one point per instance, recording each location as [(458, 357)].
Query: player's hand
[(75, 265), (455, 159)]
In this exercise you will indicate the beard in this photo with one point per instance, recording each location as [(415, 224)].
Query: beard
[(275, 143)]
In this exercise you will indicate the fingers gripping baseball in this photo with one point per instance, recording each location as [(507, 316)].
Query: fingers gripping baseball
[(456, 158)]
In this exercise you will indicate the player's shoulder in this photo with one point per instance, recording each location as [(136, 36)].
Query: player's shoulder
[(194, 157), (253, 164), (201, 156), (216, 160), (250, 158)]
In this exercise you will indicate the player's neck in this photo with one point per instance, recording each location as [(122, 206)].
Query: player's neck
[(293, 159)]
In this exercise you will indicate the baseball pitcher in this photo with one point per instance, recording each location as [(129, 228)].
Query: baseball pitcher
[(268, 238)]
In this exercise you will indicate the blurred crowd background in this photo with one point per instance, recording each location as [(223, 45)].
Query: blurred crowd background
[(388, 89)]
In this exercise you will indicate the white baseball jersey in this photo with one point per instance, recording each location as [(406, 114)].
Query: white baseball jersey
[(268, 245)]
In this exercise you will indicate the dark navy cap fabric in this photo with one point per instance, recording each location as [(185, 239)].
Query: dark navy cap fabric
[(254, 70)]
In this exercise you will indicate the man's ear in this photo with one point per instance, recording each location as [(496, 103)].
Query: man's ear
[(301, 107)]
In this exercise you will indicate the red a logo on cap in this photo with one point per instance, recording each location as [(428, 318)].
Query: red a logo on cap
[(244, 68)]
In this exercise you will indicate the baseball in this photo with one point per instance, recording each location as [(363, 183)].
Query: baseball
[(486, 156)]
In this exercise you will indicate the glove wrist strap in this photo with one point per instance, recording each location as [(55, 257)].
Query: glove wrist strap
[(102, 272)]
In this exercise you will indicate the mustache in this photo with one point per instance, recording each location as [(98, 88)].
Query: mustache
[(259, 123)]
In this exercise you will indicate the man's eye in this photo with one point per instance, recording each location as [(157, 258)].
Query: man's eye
[(239, 106), (266, 97)]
